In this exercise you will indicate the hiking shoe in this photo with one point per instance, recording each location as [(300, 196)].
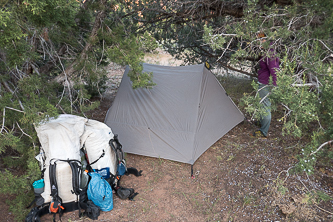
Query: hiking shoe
[(258, 134)]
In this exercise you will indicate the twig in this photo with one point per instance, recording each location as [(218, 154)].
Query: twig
[(323, 209), (305, 84), (3, 119), (102, 54), (225, 49), (12, 92), (68, 83), (58, 105), (325, 45), (321, 146), (4, 114), (289, 111), (264, 97), (14, 109), (287, 173), (23, 131), (298, 177)]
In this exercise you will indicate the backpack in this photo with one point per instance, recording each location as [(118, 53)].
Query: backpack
[(64, 167), (57, 205), (61, 166), (104, 154)]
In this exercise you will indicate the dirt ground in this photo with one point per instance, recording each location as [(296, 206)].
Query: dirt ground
[(239, 178)]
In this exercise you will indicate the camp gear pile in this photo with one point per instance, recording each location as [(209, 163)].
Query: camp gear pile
[(80, 162)]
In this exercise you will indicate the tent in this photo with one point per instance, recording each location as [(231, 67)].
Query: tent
[(178, 119)]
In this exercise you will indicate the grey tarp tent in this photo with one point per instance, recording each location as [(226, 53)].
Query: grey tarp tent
[(178, 119)]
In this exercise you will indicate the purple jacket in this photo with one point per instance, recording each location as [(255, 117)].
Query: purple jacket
[(268, 66)]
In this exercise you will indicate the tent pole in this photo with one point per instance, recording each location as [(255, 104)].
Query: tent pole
[(192, 176)]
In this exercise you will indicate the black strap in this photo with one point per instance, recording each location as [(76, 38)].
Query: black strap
[(32, 202), (53, 180), (76, 173), (134, 171), (117, 148), (69, 207), (132, 196), (42, 173), (98, 158), (36, 212)]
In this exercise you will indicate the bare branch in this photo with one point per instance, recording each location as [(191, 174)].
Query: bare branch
[(321, 146), (3, 120), (12, 91), (23, 131)]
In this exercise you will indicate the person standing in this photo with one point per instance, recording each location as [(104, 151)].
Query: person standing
[(269, 64)]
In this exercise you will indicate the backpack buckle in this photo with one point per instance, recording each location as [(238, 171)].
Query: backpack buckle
[(55, 207)]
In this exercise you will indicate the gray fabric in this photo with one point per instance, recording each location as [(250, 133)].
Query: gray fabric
[(178, 119)]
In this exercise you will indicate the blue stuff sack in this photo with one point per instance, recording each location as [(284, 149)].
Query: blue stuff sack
[(38, 184), (121, 169), (100, 192), (104, 172)]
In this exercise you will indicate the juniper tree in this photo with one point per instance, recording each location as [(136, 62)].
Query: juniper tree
[(224, 32), (53, 55)]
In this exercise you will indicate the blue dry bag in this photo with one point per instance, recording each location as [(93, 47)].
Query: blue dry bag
[(104, 172), (121, 169), (100, 192)]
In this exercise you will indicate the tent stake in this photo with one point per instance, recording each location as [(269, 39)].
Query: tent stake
[(192, 176)]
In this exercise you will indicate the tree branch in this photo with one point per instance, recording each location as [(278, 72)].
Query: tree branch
[(321, 146), (84, 53), (12, 92), (225, 65)]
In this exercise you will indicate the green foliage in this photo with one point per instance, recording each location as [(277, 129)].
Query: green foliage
[(10, 30), (50, 12), (8, 140), (41, 40), (303, 96), (129, 53), (148, 42), (252, 103), (36, 95), (95, 85), (13, 182), (316, 196), (142, 80)]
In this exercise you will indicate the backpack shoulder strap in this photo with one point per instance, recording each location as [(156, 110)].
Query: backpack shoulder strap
[(117, 148), (76, 175)]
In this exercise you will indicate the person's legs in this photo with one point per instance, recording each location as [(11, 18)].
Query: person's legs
[(265, 120)]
